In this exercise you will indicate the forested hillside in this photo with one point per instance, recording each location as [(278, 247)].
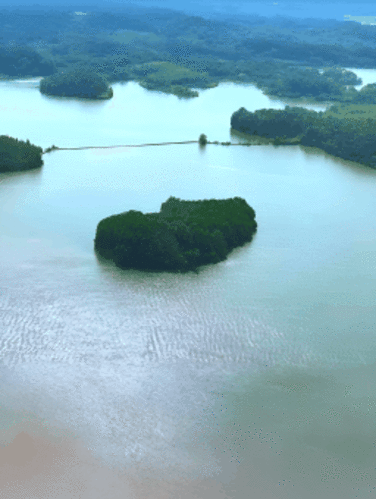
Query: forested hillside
[(18, 61), (280, 56)]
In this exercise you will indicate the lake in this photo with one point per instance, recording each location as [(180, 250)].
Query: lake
[(253, 378)]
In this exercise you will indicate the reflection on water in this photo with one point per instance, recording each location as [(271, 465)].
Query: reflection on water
[(253, 375)]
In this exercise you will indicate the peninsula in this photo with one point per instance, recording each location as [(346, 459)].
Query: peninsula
[(181, 237), (18, 155), (345, 131)]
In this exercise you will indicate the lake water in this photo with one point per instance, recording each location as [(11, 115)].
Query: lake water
[(253, 378)]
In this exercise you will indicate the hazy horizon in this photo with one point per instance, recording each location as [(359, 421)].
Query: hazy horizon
[(242, 8)]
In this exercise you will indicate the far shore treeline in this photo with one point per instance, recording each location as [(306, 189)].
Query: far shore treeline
[(18, 155), (178, 53), (181, 237)]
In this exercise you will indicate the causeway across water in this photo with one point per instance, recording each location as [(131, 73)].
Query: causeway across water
[(55, 148)]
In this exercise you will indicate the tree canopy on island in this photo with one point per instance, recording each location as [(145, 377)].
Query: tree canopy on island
[(78, 82), (17, 155), (181, 237)]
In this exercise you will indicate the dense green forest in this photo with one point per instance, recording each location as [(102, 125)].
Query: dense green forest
[(172, 78), (78, 82), (17, 155), (331, 84), (18, 61), (280, 56), (181, 237), (334, 131)]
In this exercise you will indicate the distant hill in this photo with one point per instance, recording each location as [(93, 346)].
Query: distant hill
[(118, 40)]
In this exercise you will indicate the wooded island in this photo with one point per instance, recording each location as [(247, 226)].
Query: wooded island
[(79, 82), (181, 237)]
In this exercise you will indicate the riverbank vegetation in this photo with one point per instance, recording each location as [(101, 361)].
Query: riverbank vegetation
[(79, 82), (347, 131), (183, 236), (18, 155)]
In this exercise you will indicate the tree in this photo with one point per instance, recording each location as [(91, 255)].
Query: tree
[(203, 140)]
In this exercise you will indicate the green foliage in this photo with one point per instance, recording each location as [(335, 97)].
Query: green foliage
[(18, 61), (178, 90), (366, 95), (309, 82), (292, 121), (181, 237), (280, 140), (80, 82), (250, 51), (203, 140), (49, 149), (333, 131), (341, 76), (350, 111), (18, 155), (182, 92), (170, 78), (174, 52)]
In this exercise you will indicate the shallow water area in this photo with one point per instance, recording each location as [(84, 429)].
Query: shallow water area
[(259, 366)]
